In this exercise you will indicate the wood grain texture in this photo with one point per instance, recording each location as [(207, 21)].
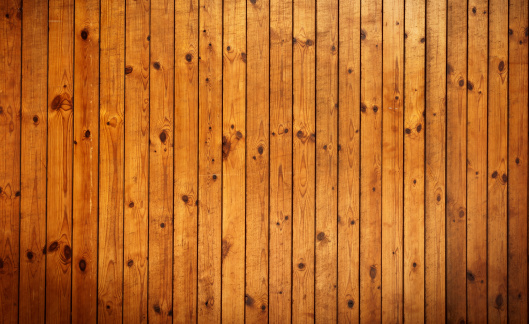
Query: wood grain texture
[(517, 160), (161, 121), (371, 162), (498, 161), (392, 160), (435, 163), (10, 120), (456, 152), (414, 161), (33, 158), (281, 135), (60, 155), (304, 159), (257, 161), (85, 163), (111, 163), (185, 162), (349, 161), (476, 167)]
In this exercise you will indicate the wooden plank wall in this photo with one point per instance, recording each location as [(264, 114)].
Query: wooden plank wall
[(264, 161)]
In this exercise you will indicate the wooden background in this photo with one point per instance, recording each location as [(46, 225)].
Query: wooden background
[(263, 160)]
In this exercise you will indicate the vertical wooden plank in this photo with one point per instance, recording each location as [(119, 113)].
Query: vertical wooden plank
[(161, 162), (304, 170), (349, 161), (111, 164), (435, 159), (476, 165), (33, 163), (498, 160), (210, 162), (10, 65), (517, 159), (456, 161), (136, 172), (60, 154), (185, 162), (86, 162), (257, 161), (414, 114), (280, 268), (326, 253), (392, 161), (233, 160), (370, 161)]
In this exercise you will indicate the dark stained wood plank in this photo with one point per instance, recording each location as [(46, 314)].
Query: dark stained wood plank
[(161, 162), (414, 163), (371, 162), (10, 87), (435, 163), (33, 156), (136, 144), (326, 253), (210, 162), (185, 162), (111, 163), (392, 161), (517, 159), (349, 161), (85, 163), (304, 154), (456, 116), (498, 160), (280, 263), (60, 154), (257, 160), (476, 164)]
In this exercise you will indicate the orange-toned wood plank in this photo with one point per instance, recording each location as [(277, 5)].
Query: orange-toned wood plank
[(370, 162), (32, 299), (476, 165), (304, 154), (280, 268), (414, 114), (136, 143), (349, 162), (210, 162), (326, 253), (435, 159), (10, 67), (161, 162), (185, 162), (85, 163), (233, 160), (456, 116), (517, 159), (111, 163), (257, 161), (60, 154), (498, 160), (392, 161)]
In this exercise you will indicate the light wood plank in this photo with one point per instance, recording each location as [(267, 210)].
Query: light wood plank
[(371, 162), (517, 159), (34, 140), (60, 155), (257, 160), (111, 163), (85, 163), (280, 268), (414, 122), (185, 162), (10, 92)]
